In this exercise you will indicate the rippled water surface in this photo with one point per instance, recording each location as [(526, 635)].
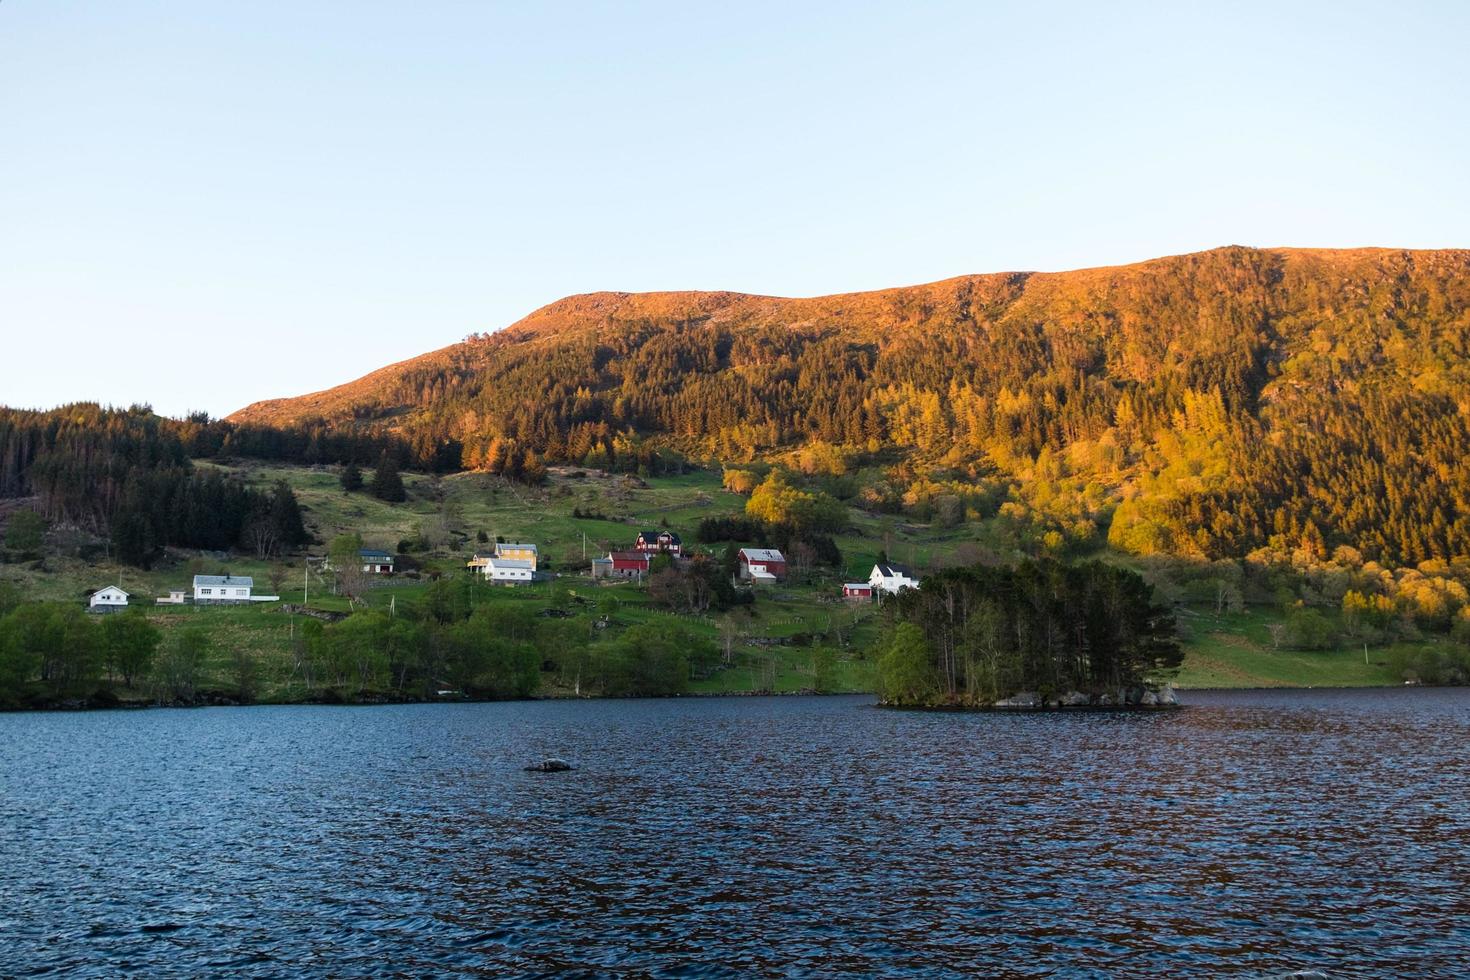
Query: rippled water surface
[(1251, 833)]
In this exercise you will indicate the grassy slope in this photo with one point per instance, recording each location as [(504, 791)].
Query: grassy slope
[(1227, 651), (1234, 650)]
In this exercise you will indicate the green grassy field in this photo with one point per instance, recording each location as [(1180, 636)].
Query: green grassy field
[(447, 515), (1235, 650)]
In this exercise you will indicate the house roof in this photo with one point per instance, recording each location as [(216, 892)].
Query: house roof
[(509, 563), (892, 569), (760, 575), (857, 585), (373, 553), (237, 581), (762, 554), (115, 588), (628, 556), (513, 546)]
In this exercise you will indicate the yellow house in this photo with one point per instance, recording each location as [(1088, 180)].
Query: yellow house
[(504, 551), (517, 552)]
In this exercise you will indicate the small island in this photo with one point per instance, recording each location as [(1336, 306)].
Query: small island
[(1032, 636)]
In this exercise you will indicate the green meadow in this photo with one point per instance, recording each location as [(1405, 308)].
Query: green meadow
[(766, 646)]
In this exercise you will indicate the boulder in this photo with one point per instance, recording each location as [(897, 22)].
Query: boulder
[(1074, 699), (1166, 695), (550, 765), (1021, 699), (1148, 699)]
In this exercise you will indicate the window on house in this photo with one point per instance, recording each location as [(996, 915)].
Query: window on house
[(204, 591)]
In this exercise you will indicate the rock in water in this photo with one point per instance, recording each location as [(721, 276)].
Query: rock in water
[(1167, 695), (550, 765), (1023, 699)]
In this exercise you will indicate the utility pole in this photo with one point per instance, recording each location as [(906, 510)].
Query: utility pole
[(305, 579)]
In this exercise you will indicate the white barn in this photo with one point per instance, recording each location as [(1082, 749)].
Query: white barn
[(108, 599), (509, 570)]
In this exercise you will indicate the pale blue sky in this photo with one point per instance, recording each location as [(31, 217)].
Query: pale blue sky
[(207, 203)]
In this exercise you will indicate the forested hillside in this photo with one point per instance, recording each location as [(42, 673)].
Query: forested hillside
[(128, 474), (1204, 405)]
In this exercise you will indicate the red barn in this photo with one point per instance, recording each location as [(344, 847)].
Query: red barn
[(762, 565), (857, 592), (630, 564)]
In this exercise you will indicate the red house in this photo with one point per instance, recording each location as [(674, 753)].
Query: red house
[(659, 542), (857, 592), (762, 565)]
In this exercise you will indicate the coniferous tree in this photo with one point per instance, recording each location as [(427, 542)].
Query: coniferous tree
[(351, 478), (286, 516), (387, 484)]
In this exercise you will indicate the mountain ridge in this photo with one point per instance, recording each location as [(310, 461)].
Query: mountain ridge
[(551, 317)]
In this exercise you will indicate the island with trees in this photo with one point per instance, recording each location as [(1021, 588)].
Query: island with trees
[(1033, 635)]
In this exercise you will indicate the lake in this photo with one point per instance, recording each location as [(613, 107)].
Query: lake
[(1252, 832)]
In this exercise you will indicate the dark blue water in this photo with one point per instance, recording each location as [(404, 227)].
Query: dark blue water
[(1252, 833)]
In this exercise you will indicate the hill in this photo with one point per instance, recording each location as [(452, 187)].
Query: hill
[(1204, 405)]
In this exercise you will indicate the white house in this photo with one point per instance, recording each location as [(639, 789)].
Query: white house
[(375, 561), (892, 577), (227, 588), (509, 570), (108, 599)]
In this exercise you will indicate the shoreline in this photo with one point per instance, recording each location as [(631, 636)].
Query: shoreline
[(83, 705)]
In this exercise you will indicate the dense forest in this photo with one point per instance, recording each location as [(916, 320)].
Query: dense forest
[(1207, 405), (128, 474)]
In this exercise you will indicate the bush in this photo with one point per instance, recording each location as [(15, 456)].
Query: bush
[(1308, 629), (905, 675)]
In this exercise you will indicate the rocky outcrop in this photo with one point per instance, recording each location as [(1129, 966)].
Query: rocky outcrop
[(1137, 696), (550, 765)]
